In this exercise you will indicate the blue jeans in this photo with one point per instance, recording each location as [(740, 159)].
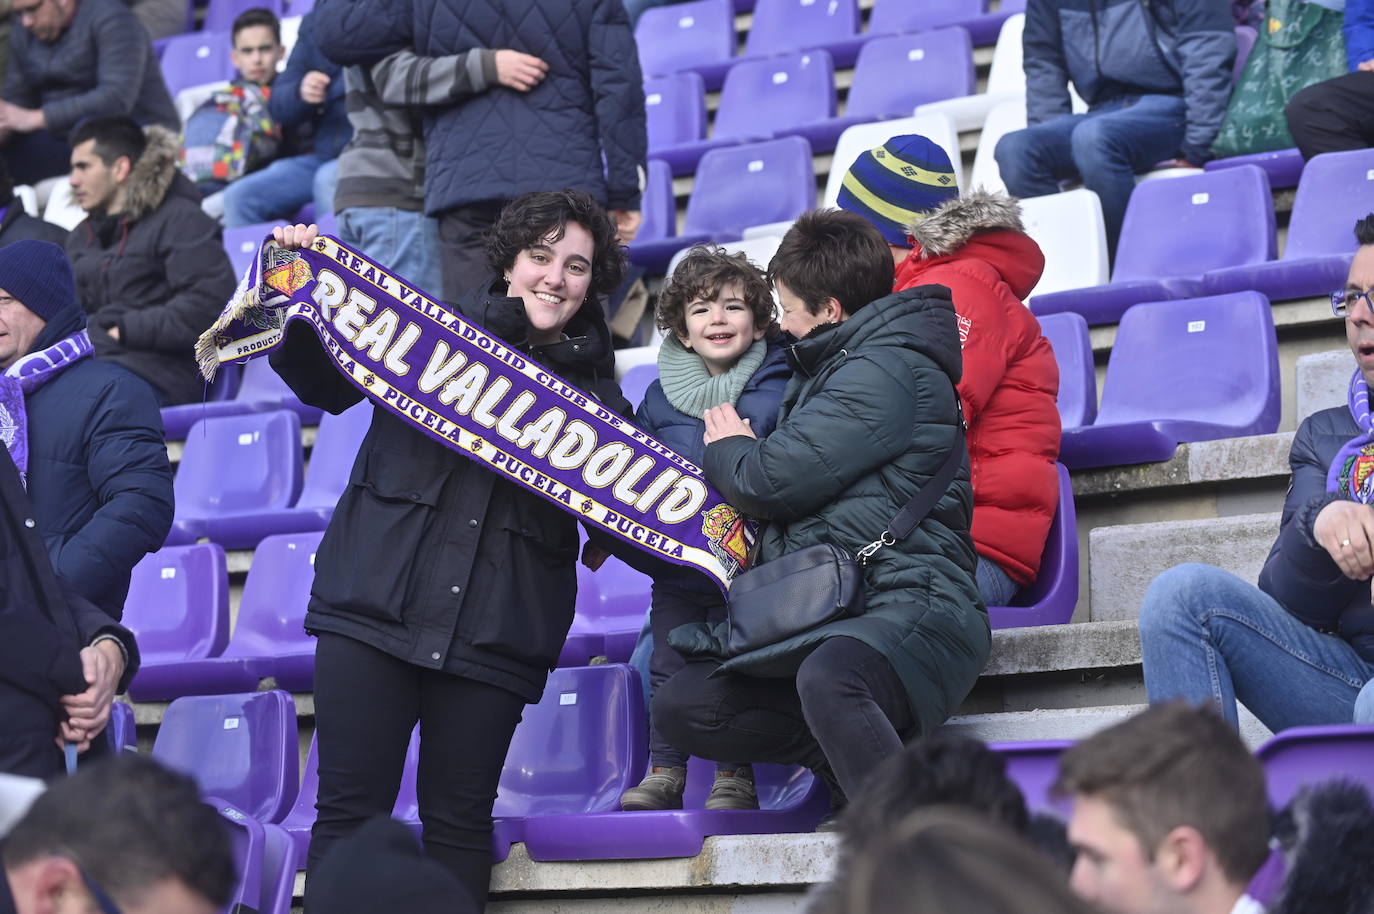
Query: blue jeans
[(1206, 635), (1364, 705), (274, 193), (404, 241), (1105, 149), (995, 586)]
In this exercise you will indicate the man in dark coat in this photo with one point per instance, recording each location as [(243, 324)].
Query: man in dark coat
[(61, 659), (150, 266), (70, 61), (1297, 648), (17, 225), (88, 433), (495, 146)]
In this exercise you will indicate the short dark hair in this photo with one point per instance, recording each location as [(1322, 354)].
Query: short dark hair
[(1173, 765), (116, 136), (528, 219), (258, 15), (832, 253), (129, 823), (701, 274), (1364, 230)]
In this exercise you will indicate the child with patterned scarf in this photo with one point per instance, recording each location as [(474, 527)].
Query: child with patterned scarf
[(720, 348)]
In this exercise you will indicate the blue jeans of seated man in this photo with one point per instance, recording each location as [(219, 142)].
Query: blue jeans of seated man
[(404, 241), (1105, 149), (274, 193), (1206, 635), (995, 586), (1364, 704)]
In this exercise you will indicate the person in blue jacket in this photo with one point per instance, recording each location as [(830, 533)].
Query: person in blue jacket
[(1297, 649), (1156, 77), (308, 102), (1338, 114), (721, 347)]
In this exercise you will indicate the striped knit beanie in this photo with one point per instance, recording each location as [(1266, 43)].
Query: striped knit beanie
[(894, 185)]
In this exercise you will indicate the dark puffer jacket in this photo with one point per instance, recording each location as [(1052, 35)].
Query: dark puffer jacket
[(433, 558), (1299, 573), (504, 143), (157, 271), (18, 225), (868, 418)]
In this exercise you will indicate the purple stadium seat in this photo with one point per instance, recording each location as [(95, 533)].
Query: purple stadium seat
[(279, 864), (1051, 599), (246, 838), (897, 73), (741, 186), (1283, 166), (1334, 192), (231, 468), (675, 115), (331, 463), (261, 389), (1190, 370), (178, 608), (269, 638), (1300, 756), (791, 800), (585, 638), (659, 210), (637, 381), (783, 26), (121, 731), (891, 16), (624, 603), (196, 59), (696, 36), (220, 14), (1033, 766), (240, 748), (1073, 350), (1245, 43), (241, 244), (1176, 231)]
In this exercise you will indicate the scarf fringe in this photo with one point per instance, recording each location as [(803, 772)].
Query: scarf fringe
[(246, 300)]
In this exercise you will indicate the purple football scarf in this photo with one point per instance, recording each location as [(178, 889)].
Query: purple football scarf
[(23, 378), (469, 391), (1349, 475)]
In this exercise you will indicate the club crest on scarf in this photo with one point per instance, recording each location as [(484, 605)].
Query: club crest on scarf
[(1352, 471), (730, 536)]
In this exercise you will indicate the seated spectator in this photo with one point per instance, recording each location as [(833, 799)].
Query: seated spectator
[(1156, 78), (231, 132), (127, 835), (89, 437), (381, 867), (976, 246), (1338, 114), (1170, 813), (150, 267), (948, 859), (308, 102), (718, 312), (871, 416), (61, 659), (1364, 704), (1297, 648), (70, 61), (17, 225)]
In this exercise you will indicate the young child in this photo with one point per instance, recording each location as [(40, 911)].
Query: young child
[(718, 312)]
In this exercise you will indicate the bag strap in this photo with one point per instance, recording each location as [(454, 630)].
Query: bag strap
[(915, 511)]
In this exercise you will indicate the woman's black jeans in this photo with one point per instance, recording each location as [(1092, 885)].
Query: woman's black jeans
[(843, 713)]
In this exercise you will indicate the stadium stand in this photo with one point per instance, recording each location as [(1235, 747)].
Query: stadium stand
[(1068, 334)]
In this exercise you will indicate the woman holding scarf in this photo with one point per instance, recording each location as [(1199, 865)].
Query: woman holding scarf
[(443, 593)]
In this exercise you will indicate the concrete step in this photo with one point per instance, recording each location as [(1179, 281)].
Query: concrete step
[(1125, 559), (1322, 381)]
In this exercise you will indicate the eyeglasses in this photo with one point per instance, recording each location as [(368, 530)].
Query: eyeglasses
[(102, 899), (1344, 299)]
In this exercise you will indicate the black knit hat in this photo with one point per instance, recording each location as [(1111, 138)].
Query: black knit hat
[(38, 275)]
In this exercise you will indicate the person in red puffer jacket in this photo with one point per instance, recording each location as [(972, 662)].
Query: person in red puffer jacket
[(976, 246)]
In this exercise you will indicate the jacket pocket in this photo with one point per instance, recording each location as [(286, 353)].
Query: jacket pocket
[(373, 542)]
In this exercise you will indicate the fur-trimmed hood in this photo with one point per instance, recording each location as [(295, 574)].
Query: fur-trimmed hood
[(152, 175), (1327, 836), (950, 225)]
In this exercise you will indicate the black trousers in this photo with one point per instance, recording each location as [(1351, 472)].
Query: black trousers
[(463, 234), (33, 157), (366, 703), (844, 713), (673, 606), (1334, 115)]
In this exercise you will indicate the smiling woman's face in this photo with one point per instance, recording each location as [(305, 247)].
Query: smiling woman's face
[(552, 278)]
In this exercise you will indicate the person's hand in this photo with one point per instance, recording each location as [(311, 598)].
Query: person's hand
[(1345, 529), (1366, 66), (314, 85), (594, 556), (88, 712), (723, 422), (1179, 163), (295, 236), (627, 223), (521, 72), (113, 333), (20, 120)]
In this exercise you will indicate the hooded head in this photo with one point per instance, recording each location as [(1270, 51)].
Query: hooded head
[(37, 298), (896, 184)]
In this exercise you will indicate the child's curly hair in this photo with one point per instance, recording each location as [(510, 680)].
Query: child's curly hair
[(701, 274)]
